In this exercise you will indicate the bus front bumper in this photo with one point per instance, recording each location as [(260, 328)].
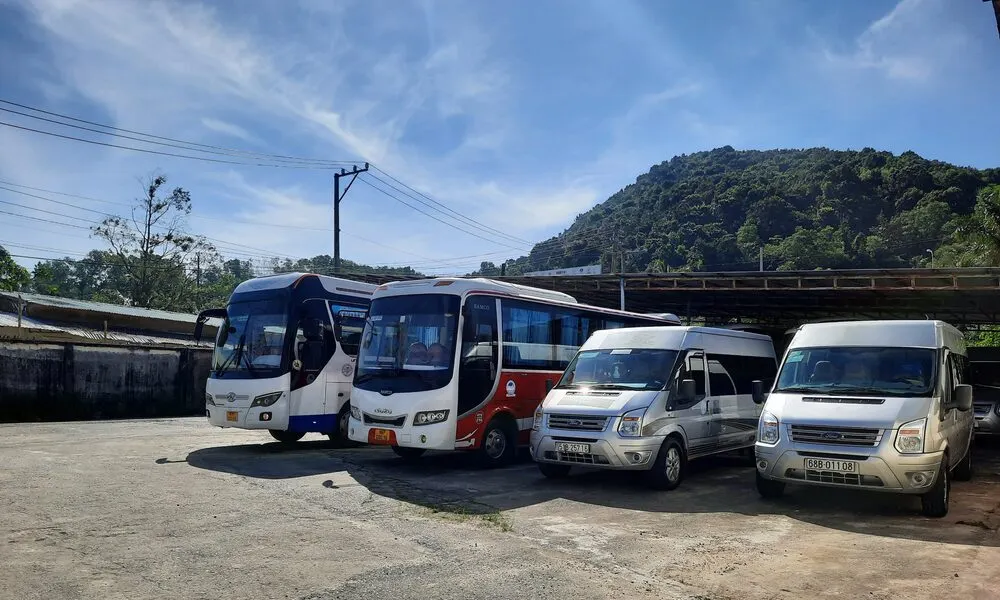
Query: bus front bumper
[(440, 436), (257, 417)]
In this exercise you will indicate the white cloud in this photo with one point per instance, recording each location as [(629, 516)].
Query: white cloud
[(912, 43), (229, 129)]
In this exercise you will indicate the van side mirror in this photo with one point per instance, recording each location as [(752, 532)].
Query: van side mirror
[(963, 397), (757, 389), (687, 391)]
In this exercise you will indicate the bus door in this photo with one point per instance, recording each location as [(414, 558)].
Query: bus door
[(313, 348)]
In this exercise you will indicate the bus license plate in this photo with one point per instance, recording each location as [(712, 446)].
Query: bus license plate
[(381, 436), (569, 448), (822, 464), (232, 415)]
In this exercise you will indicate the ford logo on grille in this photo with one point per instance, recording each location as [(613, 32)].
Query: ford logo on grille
[(574, 422), (231, 396), (832, 435)]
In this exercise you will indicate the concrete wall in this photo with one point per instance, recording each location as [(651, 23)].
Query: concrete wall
[(57, 382)]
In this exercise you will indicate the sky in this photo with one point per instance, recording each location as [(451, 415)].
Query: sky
[(504, 120)]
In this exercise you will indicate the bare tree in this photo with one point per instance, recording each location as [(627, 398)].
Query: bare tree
[(152, 247)]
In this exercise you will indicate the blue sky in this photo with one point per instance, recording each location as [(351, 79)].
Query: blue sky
[(519, 114)]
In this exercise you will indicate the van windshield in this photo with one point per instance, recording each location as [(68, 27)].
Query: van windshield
[(620, 368), (863, 370)]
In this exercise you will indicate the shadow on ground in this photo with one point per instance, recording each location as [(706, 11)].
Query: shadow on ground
[(723, 484)]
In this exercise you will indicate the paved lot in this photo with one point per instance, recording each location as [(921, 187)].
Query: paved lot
[(175, 509)]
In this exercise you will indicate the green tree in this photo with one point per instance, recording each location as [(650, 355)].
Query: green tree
[(13, 277), (981, 230), (153, 249)]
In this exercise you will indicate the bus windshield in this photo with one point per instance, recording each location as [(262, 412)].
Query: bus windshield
[(620, 368), (251, 338), (862, 370), (408, 344)]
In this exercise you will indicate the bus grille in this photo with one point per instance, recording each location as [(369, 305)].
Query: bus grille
[(393, 422), (836, 436), (577, 423)]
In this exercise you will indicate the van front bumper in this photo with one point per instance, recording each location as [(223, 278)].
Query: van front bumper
[(878, 469), (988, 424), (608, 450)]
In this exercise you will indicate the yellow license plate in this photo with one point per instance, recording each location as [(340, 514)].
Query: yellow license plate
[(232, 415), (381, 436)]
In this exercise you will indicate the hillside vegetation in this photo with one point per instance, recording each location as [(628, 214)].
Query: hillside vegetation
[(807, 209)]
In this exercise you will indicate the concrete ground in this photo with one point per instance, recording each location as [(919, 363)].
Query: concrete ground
[(176, 509)]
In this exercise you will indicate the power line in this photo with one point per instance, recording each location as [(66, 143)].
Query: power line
[(187, 145)]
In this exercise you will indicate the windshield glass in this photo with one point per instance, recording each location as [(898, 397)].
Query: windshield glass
[(251, 339), (408, 343), (620, 368), (866, 371), (350, 324)]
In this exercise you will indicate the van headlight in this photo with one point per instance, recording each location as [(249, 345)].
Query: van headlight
[(355, 412), (430, 417), (910, 437), (266, 399), (536, 424), (631, 423), (768, 430)]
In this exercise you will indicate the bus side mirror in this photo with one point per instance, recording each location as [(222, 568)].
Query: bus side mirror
[(757, 389), (687, 391), (963, 397)]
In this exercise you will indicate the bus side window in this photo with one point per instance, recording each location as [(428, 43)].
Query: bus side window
[(314, 336)]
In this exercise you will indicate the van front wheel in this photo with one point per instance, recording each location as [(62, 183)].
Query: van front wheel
[(668, 468), (934, 503)]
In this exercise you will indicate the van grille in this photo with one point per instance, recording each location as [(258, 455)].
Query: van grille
[(577, 423), (393, 422), (836, 436), (578, 458)]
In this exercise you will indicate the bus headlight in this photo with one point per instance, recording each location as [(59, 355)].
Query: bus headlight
[(355, 412), (429, 417), (768, 429), (209, 399), (910, 437), (631, 424), (266, 399)]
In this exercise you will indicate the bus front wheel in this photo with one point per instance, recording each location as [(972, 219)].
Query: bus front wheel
[(286, 437), (340, 438), (499, 444)]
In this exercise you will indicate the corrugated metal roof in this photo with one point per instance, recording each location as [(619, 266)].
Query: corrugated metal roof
[(33, 329), (102, 307)]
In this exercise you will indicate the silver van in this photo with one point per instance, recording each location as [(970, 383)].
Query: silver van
[(651, 398), (873, 405)]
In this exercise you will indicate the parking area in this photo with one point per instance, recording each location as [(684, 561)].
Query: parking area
[(176, 509)]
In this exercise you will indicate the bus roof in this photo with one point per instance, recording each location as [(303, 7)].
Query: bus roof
[(284, 280), (464, 286), (893, 334)]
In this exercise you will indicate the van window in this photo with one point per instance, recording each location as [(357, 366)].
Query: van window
[(720, 382), (859, 370), (743, 371), (691, 367)]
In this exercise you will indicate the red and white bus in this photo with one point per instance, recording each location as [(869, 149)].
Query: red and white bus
[(463, 363)]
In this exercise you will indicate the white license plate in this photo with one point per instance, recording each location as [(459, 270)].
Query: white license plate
[(569, 448), (822, 464)]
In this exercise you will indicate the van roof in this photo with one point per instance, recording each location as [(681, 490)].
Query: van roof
[(673, 337), (902, 333)]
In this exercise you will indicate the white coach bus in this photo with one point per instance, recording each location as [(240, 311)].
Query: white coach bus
[(463, 363), (285, 353)]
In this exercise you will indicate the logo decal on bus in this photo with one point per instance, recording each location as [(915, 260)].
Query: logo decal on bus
[(479, 418), (383, 411), (231, 396), (347, 370), (511, 388)]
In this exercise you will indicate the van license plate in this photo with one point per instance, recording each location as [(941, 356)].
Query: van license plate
[(822, 464), (572, 448), (232, 415)]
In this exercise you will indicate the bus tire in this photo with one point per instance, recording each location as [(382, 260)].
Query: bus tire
[(668, 468), (286, 437), (408, 453), (499, 446), (340, 437)]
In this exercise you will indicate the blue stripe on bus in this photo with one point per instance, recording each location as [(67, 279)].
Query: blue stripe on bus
[(313, 423)]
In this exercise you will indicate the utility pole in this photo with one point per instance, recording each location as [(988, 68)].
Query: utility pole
[(197, 280), (762, 258), (337, 197)]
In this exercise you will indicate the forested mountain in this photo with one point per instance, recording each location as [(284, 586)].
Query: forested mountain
[(807, 209)]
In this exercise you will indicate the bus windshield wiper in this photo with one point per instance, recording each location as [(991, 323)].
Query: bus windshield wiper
[(800, 389), (236, 352)]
